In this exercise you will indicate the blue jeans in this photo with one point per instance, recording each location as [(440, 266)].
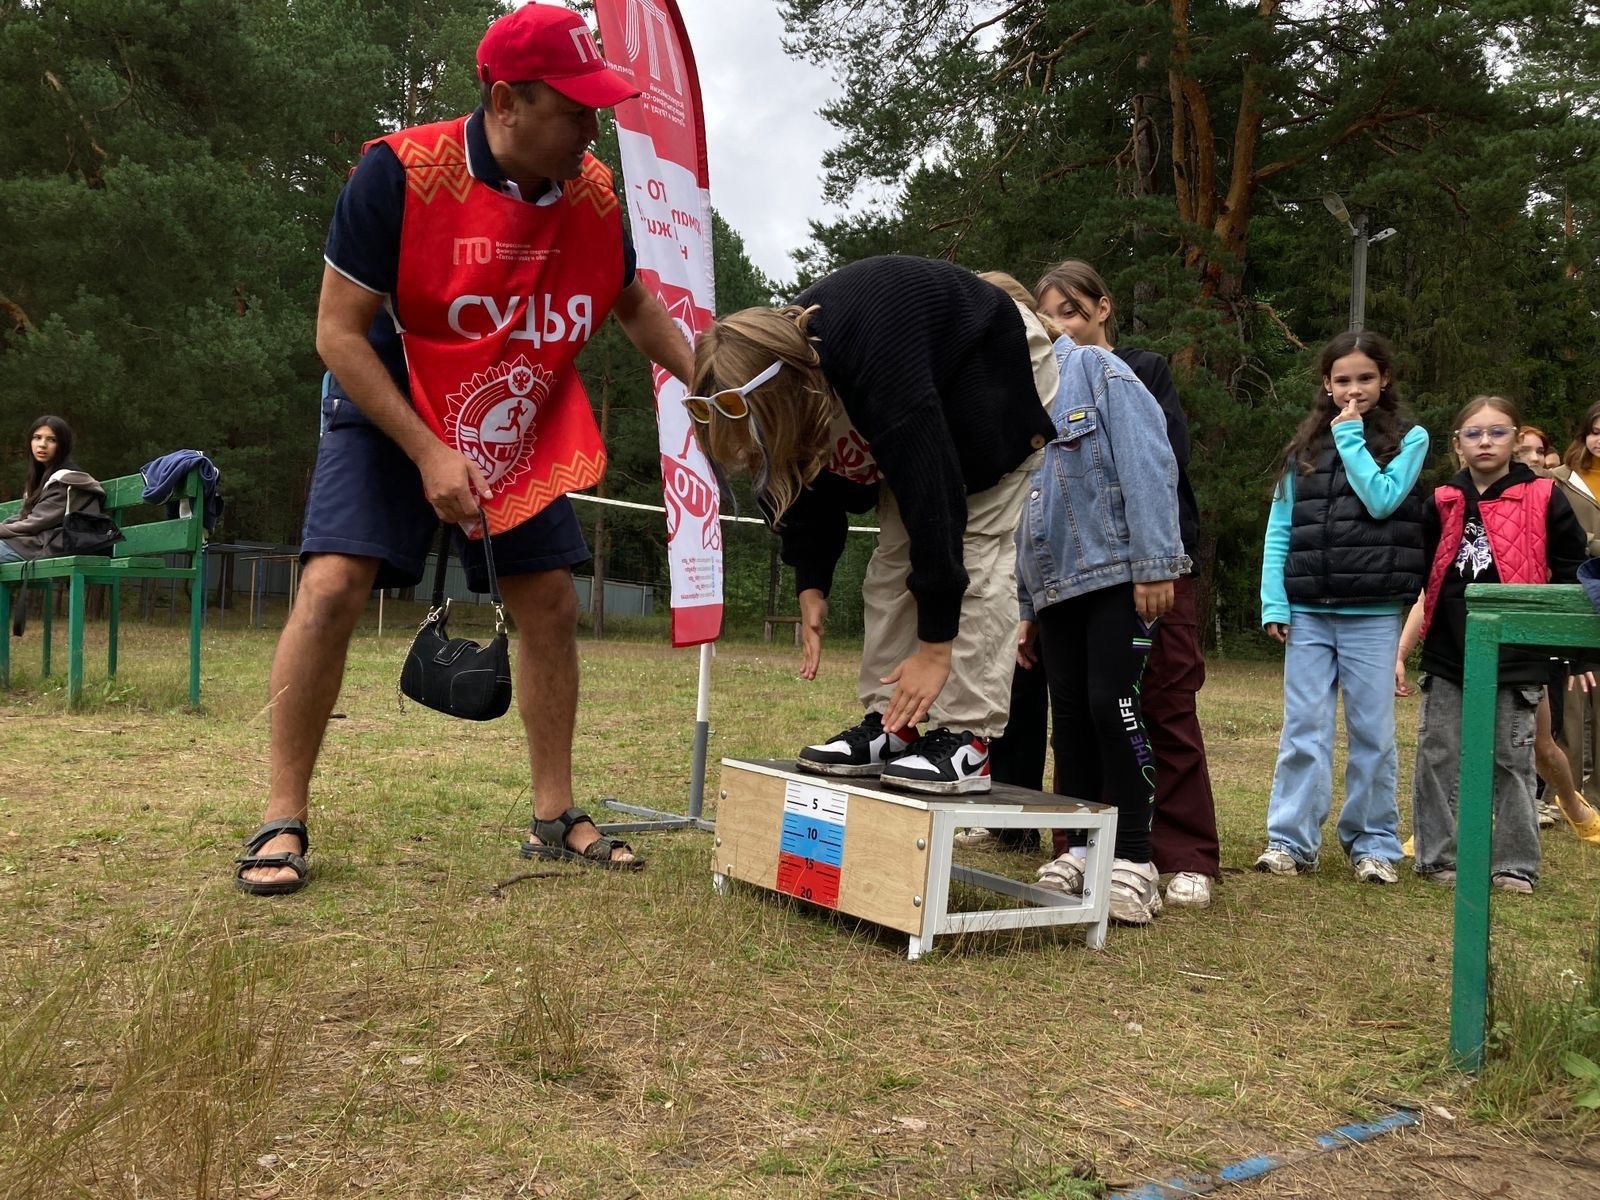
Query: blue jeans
[(1329, 654), (7, 554)]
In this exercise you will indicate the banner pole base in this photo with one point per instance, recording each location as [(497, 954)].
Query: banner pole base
[(660, 822)]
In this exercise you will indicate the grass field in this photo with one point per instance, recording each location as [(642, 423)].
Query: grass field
[(404, 1028)]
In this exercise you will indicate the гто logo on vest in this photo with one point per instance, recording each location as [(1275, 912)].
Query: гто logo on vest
[(475, 317), (491, 418)]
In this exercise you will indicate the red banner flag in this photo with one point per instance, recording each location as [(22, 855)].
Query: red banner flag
[(663, 144)]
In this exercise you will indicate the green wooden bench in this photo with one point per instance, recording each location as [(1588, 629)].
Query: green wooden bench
[(1497, 615), (139, 556)]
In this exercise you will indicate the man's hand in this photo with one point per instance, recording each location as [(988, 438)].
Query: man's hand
[(1278, 632), (1348, 413), (813, 616), (1152, 600), (1027, 644), (652, 330), (918, 681), (453, 484)]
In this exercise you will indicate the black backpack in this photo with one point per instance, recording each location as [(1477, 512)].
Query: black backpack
[(89, 531)]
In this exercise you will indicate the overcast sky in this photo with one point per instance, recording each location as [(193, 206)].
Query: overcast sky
[(764, 137)]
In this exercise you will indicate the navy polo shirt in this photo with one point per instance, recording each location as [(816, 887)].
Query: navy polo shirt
[(364, 242)]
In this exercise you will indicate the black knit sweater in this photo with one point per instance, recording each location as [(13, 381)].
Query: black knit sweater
[(931, 364)]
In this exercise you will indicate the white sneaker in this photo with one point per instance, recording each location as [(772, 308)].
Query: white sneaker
[(1064, 875), (1189, 889), (973, 839), (1375, 870), (942, 761), (1277, 861), (1135, 892), (1549, 816)]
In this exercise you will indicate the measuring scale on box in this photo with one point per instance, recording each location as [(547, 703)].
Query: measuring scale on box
[(887, 857)]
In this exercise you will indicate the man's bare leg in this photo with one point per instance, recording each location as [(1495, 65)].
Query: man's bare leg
[(307, 671), (544, 606)]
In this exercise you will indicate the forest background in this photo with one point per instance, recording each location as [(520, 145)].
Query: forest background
[(169, 167)]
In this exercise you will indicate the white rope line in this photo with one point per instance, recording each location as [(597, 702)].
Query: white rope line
[(657, 508)]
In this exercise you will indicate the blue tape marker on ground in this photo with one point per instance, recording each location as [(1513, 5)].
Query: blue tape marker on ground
[(1186, 1187), (1346, 1134)]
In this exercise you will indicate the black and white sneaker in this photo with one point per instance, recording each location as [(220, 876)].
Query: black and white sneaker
[(859, 750), (942, 762)]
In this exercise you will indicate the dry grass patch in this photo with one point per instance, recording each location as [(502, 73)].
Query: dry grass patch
[(403, 1028)]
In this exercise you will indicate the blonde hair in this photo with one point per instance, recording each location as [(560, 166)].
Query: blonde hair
[(1011, 287), (785, 437)]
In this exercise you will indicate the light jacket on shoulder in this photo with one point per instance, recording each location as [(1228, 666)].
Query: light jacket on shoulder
[(1102, 508)]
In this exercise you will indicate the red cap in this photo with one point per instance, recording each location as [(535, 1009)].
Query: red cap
[(552, 44)]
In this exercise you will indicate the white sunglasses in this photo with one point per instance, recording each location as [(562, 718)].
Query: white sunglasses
[(730, 402)]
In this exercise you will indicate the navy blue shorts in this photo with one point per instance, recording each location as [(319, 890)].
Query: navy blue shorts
[(366, 500)]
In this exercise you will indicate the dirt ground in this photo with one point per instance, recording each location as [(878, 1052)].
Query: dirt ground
[(1438, 1161)]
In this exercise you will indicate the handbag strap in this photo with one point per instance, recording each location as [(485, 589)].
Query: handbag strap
[(441, 564), (440, 605)]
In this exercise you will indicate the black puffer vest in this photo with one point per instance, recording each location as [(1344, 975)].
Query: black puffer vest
[(1340, 554)]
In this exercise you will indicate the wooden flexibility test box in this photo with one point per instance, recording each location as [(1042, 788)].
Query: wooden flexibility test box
[(886, 856)]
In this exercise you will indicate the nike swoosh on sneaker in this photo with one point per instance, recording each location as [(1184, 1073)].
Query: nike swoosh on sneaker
[(968, 760)]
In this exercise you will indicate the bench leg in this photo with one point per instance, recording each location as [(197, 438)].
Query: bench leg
[(48, 623), (5, 632), (114, 611), (75, 606), (197, 617)]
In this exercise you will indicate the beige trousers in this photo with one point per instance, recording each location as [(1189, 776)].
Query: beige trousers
[(977, 696)]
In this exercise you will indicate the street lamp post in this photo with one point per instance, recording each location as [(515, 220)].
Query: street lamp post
[(1359, 241)]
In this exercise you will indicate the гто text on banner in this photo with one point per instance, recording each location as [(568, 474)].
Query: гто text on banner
[(663, 143)]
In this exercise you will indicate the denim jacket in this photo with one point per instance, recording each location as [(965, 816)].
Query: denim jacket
[(1102, 508)]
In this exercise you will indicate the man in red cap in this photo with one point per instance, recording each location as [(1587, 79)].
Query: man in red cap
[(467, 264)]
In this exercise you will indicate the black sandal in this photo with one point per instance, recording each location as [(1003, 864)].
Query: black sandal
[(552, 844), (250, 859)]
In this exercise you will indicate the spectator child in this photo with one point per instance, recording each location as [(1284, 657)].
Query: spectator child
[(1343, 561), (1183, 831), (1097, 553), (53, 484), (1533, 448), (1494, 522)]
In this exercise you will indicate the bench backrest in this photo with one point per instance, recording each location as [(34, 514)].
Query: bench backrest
[(155, 536)]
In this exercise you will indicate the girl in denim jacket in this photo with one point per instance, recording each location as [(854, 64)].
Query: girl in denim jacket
[(1097, 551), (1343, 562)]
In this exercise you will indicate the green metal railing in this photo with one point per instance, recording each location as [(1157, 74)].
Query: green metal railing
[(1497, 615)]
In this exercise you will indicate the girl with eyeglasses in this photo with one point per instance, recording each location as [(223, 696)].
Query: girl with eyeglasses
[(911, 385), (1494, 522), (1343, 561)]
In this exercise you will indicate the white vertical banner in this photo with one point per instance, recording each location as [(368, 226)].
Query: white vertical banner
[(663, 145)]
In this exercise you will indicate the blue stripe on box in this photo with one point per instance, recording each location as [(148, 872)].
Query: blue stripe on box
[(807, 837)]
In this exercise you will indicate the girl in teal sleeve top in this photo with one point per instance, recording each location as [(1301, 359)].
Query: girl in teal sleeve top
[(1343, 561)]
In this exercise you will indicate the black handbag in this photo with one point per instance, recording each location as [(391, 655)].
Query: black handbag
[(456, 676), (85, 532)]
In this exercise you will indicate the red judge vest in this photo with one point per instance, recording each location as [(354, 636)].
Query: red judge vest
[(495, 297)]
